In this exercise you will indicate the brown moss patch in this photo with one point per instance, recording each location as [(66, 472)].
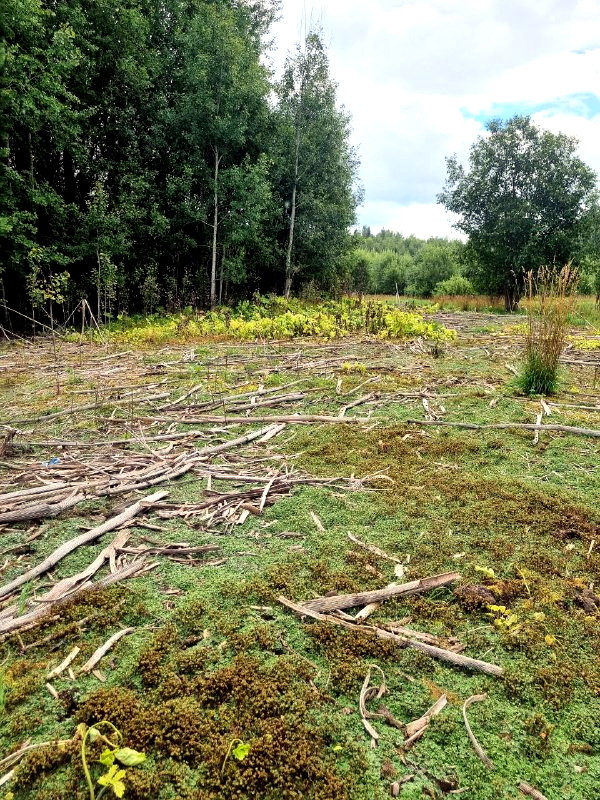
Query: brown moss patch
[(192, 720)]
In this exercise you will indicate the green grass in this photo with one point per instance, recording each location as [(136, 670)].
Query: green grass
[(216, 658)]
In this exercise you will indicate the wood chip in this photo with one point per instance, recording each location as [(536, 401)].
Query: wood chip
[(318, 524), (52, 691)]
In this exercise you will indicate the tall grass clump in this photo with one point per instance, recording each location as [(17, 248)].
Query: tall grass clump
[(550, 299)]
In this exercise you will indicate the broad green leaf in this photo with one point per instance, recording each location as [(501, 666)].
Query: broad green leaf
[(241, 751), (489, 573), (107, 758), (114, 779), (129, 757)]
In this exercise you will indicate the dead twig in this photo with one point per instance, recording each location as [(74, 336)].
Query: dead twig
[(373, 549), (99, 654), (416, 729), (84, 538), (476, 698), (368, 692), (450, 657), (509, 426), (64, 664), (529, 790)]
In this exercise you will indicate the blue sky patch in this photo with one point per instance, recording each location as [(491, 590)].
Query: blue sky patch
[(585, 105)]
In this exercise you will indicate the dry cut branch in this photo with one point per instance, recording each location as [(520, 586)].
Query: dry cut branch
[(340, 601), (450, 657), (527, 426), (99, 654), (526, 788), (84, 538)]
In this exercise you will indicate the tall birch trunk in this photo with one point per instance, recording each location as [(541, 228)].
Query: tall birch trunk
[(213, 268), (288, 256)]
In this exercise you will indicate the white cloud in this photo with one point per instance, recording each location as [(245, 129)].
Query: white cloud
[(418, 219), (417, 77)]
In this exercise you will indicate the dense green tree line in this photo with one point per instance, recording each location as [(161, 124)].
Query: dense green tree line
[(389, 263), (149, 158)]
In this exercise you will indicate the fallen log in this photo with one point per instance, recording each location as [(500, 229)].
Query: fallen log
[(341, 601), (84, 538), (448, 656), (41, 510)]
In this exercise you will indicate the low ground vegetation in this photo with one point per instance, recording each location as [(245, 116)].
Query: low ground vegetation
[(214, 663)]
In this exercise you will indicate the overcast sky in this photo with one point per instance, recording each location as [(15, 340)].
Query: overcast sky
[(421, 77)]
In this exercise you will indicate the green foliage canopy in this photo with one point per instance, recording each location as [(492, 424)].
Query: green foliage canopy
[(521, 201)]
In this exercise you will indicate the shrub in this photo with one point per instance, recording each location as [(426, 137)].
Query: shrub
[(275, 318), (456, 285), (550, 298)]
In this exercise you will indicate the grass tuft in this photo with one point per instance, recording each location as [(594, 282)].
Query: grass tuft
[(551, 297)]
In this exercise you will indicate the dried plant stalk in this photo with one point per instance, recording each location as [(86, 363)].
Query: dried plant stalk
[(550, 299)]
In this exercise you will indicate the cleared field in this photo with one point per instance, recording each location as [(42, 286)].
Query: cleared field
[(297, 470)]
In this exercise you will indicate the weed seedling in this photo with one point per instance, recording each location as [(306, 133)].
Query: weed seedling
[(239, 752), (113, 778)]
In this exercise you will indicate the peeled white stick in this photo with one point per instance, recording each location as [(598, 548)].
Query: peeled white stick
[(64, 664), (99, 654)]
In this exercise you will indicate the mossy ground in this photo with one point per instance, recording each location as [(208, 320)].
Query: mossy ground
[(216, 658)]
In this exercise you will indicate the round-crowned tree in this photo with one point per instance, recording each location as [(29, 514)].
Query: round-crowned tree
[(522, 202)]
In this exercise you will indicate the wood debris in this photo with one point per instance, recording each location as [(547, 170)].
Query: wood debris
[(64, 664), (416, 729), (443, 654), (471, 426), (530, 791), (84, 538), (482, 755), (99, 654), (341, 601), (368, 693)]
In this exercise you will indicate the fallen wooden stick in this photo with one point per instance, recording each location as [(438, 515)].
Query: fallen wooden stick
[(88, 407), (64, 664), (528, 426), (205, 451), (261, 420), (48, 606), (483, 756), (89, 536), (341, 601), (373, 549), (456, 659), (42, 510), (416, 729), (368, 692), (99, 654), (525, 788)]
